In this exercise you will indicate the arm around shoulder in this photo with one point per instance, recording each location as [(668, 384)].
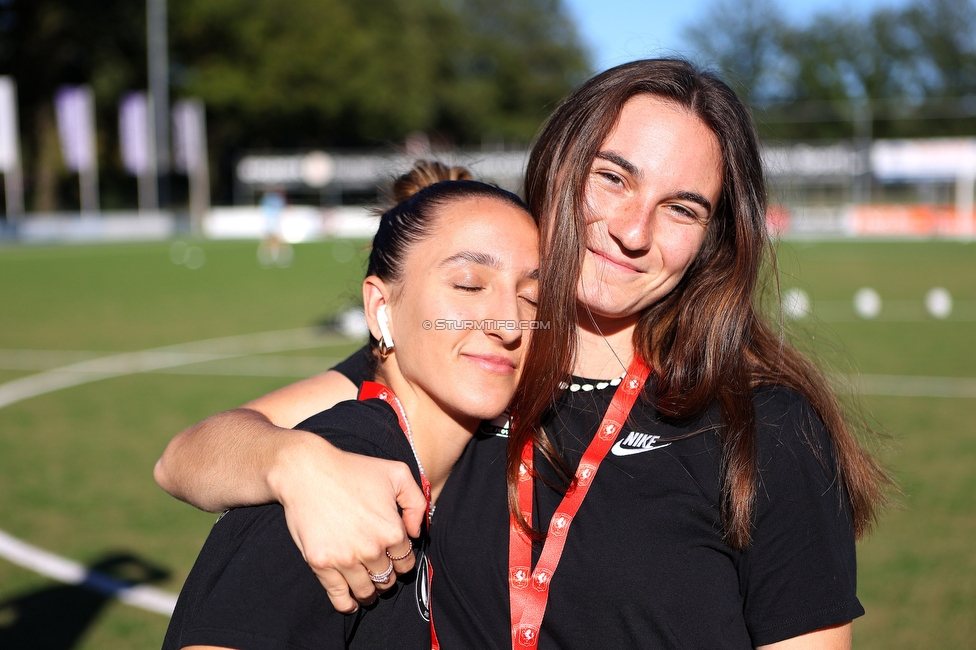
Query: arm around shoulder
[(341, 508), (228, 459)]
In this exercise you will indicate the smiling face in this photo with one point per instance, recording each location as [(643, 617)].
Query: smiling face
[(480, 263), (651, 190)]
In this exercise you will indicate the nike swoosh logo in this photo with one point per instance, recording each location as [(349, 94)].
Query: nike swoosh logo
[(619, 450)]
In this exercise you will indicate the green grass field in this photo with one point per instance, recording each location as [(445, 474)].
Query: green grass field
[(76, 464)]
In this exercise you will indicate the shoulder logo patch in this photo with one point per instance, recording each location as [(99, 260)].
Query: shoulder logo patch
[(636, 443)]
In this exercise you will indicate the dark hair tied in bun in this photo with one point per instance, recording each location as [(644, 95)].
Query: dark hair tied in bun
[(424, 193), (423, 174)]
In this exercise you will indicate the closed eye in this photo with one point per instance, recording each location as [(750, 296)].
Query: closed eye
[(467, 287)]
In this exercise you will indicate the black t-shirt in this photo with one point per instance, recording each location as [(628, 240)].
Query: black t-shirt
[(645, 565), (251, 589)]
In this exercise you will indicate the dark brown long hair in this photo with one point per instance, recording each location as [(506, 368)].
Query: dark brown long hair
[(708, 337)]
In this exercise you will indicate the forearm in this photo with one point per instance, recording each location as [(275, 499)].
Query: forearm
[(837, 637), (228, 460), (233, 458), (342, 509)]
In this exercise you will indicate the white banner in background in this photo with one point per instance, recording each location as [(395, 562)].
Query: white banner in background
[(134, 133), (314, 169), (9, 135), (944, 159), (75, 108), (189, 134)]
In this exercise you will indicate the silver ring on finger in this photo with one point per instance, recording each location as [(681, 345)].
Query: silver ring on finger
[(381, 578), (397, 558)]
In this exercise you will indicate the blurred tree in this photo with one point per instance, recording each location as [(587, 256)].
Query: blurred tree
[(748, 47), (47, 43), (909, 71), (516, 59), (309, 72), (946, 33), (292, 73), (838, 58), (839, 65), (344, 73)]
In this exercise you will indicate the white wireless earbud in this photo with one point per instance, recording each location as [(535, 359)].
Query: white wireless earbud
[(383, 321)]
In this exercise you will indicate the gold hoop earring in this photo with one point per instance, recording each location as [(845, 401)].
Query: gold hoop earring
[(385, 350)]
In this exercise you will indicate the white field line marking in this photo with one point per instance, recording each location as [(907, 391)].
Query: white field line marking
[(906, 386), (64, 570), (263, 366), (170, 356), (81, 372)]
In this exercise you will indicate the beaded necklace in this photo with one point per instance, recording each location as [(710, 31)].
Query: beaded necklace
[(600, 385)]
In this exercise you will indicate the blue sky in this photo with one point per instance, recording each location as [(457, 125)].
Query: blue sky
[(622, 30)]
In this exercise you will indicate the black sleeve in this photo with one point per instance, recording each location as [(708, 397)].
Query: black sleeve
[(800, 573), (358, 367), (369, 427), (250, 587)]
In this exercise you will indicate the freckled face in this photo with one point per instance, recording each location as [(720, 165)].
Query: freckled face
[(480, 263), (650, 193)]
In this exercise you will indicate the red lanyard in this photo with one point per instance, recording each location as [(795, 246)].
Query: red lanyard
[(529, 589), (372, 390)]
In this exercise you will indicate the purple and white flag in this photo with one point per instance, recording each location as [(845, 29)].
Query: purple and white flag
[(189, 136), (75, 108), (135, 138), (9, 130)]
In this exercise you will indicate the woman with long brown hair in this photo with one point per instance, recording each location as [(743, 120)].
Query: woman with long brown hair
[(736, 528)]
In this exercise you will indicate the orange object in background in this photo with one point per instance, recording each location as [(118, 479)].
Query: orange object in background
[(778, 220), (908, 221)]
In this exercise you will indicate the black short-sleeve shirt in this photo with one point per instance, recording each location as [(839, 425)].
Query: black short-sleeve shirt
[(645, 565), (251, 589)]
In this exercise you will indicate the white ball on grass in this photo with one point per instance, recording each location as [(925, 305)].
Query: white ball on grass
[(352, 323), (938, 302), (867, 303), (796, 304)]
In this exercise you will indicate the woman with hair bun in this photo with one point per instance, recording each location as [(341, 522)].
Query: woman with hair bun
[(427, 392), (676, 473)]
